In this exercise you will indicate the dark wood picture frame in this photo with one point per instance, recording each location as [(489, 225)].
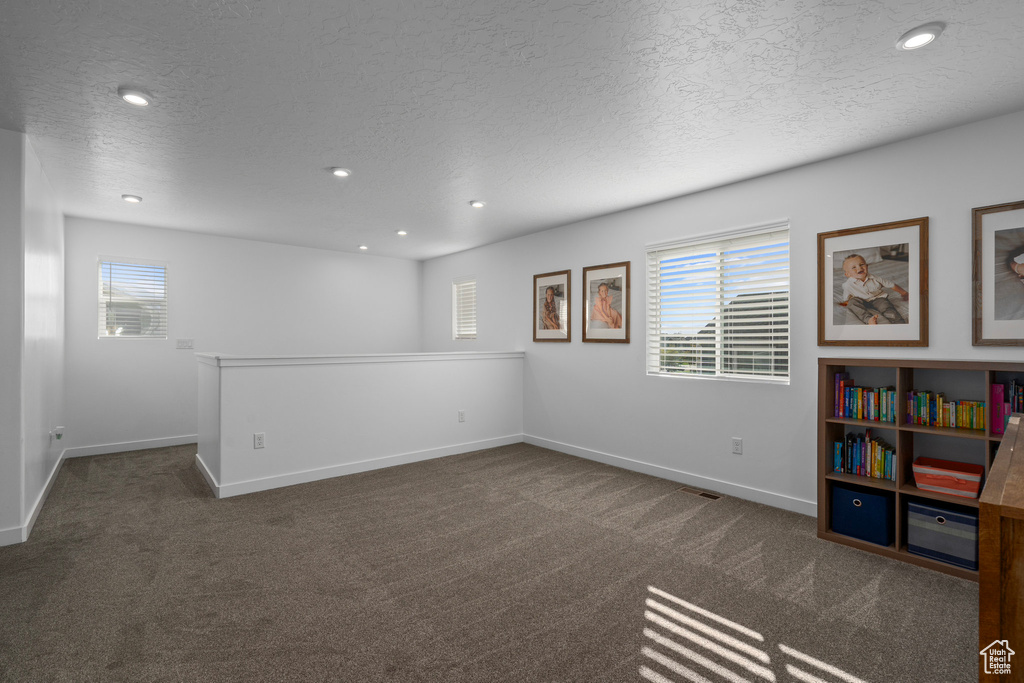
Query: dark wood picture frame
[(561, 282), (616, 277), (997, 301), (903, 323)]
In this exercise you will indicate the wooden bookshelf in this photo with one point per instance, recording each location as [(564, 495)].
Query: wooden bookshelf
[(959, 381)]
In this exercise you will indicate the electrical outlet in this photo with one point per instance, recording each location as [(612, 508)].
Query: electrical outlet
[(185, 343), (257, 439), (737, 445), (462, 416)]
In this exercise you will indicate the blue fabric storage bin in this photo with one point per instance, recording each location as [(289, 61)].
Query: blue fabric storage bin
[(863, 514), (943, 534)]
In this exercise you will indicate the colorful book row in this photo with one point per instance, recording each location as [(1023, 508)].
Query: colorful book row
[(933, 410), (861, 455), (863, 403), (1006, 400)]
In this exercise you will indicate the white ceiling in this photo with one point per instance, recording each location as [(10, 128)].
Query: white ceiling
[(550, 111)]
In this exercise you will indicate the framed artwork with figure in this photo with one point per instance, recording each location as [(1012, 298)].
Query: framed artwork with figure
[(606, 303), (873, 285), (551, 299), (998, 275)]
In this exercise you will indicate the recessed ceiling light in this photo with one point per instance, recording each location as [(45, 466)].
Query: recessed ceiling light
[(401, 233), (477, 204), (341, 172), (920, 36), (131, 198), (363, 247), (134, 96)]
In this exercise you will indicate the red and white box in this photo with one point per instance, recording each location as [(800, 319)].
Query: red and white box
[(949, 477)]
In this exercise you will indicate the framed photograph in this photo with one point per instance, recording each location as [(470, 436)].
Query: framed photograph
[(998, 275), (873, 285), (606, 303), (552, 295)]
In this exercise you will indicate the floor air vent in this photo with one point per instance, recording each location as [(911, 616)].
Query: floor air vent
[(698, 492)]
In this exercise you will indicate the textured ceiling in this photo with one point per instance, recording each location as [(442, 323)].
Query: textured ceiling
[(550, 111)]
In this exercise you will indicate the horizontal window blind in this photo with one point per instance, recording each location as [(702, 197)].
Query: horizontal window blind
[(132, 300), (464, 309), (720, 308)]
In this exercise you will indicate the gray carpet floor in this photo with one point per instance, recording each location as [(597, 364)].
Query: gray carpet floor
[(510, 564)]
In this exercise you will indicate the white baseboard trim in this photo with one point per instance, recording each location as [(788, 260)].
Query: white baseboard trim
[(20, 534), (123, 446), (207, 475), (304, 477), (804, 507), (16, 534), (44, 494)]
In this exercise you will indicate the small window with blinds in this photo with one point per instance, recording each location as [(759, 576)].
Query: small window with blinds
[(719, 307), (464, 308), (132, 299)]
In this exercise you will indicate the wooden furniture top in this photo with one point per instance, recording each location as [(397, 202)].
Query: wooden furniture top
[(1001, 552), (924, 364), (1004, 488)]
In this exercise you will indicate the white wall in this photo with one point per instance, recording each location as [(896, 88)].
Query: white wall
[(31, 336), (325, 417), (11, 303), (595, 400), (43, 360), (230, 296)]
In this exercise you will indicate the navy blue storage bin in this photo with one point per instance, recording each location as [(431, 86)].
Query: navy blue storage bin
[(866, 515), (943, 534)]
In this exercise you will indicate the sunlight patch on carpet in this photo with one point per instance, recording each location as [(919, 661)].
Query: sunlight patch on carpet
[(686, 642)]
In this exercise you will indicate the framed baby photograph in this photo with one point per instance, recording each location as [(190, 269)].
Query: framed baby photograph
[(606, 303), (551, 299), (998, 275), (873, 285)]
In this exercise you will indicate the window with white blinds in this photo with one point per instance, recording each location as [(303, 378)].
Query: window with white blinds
[(464, 308), (132, 299), (720, 307)]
